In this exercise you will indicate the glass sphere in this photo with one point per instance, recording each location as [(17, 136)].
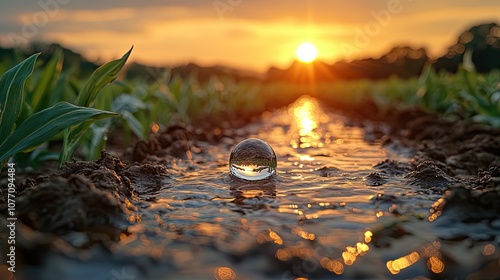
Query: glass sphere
[(252, 159)]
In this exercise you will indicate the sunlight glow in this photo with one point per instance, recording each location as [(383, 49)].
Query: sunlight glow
[(306, 52), (307, 118)]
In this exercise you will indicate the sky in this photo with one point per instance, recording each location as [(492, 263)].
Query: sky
[(246, 34)]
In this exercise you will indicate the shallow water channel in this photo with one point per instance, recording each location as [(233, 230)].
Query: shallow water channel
[(323, 216)]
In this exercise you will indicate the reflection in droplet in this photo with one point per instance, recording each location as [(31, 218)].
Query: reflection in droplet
[(252, 159)]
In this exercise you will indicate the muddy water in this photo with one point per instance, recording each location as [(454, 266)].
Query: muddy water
[(339, 207)]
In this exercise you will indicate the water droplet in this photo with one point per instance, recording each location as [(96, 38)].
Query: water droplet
[(252, 159)]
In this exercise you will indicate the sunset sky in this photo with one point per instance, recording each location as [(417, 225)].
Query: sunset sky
[(248, 34)]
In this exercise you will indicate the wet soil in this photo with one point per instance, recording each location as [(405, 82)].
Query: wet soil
[(404, 195)]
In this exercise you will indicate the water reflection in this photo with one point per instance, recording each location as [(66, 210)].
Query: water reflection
[(224, 273), (306, 122), (315, 219), (434, 262), (395, 266), (242, 189)]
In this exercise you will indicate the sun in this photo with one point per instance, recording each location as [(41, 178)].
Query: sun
[(306, 52)]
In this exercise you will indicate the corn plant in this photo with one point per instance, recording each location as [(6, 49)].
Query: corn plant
[(102, 76), (25, 135)]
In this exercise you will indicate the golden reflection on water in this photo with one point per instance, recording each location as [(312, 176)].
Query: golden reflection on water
[(306, 121), (399, 264), (368, 236), (211, 229), (435, 210), (271, 236), (334, 266), (224, 273), (352, 252), (275, 237), (435, 265), (434, 262), (304, 234)]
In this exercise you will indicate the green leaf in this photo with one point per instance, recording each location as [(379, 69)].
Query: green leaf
[(127, 103), (41, 126), (45, 83), (101, 77), (62, 90), (11, 94), (134, 124)]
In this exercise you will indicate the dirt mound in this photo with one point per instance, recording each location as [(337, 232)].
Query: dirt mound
[(95, 196), (392, 168), (475, 200), (456, 146), (175, 141), (62, 205), (375, 179), (429, 176)]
